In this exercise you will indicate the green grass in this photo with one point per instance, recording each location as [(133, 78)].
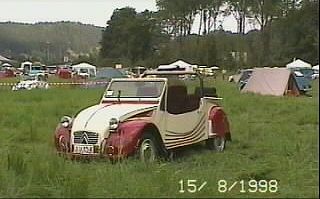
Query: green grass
[(273, 138)]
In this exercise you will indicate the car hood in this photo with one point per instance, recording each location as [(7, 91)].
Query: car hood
[(96, 118)]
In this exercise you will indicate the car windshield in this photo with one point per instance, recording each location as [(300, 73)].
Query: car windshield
[(133, 89), (36, 68)]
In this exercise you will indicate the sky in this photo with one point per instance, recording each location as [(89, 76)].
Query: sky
[(96, 12)]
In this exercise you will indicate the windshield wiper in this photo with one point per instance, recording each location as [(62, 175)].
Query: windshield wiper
[(119, 95)]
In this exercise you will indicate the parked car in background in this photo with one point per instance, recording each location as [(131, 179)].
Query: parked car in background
[(51, 70), (64, 72), (127, 72), (242, 77), (236, 77), (148, 117), (315, 74), (38, 70), (31, 82), (306, 72), (6, 72), (304, 84), (246, 74)]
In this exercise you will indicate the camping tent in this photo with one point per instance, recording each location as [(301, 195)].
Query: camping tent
[(272, 81), (298, 64), (215, 68), (177, 65), (90, 69), (181, 64), (166, 67), (6, 65)]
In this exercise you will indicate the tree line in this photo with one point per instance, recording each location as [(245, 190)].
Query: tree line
[(180, 29), (286, 29)]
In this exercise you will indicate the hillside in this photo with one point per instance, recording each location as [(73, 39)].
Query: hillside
[(47, 41)]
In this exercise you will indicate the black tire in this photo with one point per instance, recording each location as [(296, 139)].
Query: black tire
[(148, 148), (217, 143)]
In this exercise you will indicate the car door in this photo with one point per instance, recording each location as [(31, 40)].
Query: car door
[(185, 123)]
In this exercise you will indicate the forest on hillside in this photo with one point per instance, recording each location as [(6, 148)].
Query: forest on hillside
[(47, 42), (287, 29)]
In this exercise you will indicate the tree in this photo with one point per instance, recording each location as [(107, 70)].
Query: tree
[(177, 16), (240, 10), (297, 35), (265, 11), (128, 36)]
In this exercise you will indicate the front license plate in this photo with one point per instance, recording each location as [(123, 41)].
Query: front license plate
[(83, 149)]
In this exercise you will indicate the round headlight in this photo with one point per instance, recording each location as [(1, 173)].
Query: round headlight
[(65, 124), (65, 121), (113, 123)]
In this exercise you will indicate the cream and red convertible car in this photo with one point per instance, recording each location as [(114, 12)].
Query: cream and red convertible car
[(148, 116)]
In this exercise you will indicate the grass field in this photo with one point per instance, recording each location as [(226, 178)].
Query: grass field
[(273, 138)]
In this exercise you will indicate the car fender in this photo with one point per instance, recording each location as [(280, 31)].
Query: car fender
[(62, 136), (125, 141), (219, 122)]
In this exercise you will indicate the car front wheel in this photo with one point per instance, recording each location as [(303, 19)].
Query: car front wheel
[(148, 151)]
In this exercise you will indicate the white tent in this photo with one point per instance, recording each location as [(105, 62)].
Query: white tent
[(92, 70), (6, 65), (177, 65), (181, 64), (215, 67), (316, 67), (298, 63), (83, 65), (164, 67)]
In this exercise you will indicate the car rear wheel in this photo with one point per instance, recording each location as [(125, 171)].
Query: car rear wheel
[(148, 151), (217, 143)]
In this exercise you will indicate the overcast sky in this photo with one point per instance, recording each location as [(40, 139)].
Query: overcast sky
[(96, 12)]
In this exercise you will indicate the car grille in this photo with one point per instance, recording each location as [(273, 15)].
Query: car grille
[(84, 137)]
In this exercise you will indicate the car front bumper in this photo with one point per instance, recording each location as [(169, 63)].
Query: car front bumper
[(96, 156)]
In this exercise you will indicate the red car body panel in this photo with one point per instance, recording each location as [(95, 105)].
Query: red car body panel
[(121, 143), (6, 73), (125, 140), (64, 73), (220, 121), (62, 134)]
